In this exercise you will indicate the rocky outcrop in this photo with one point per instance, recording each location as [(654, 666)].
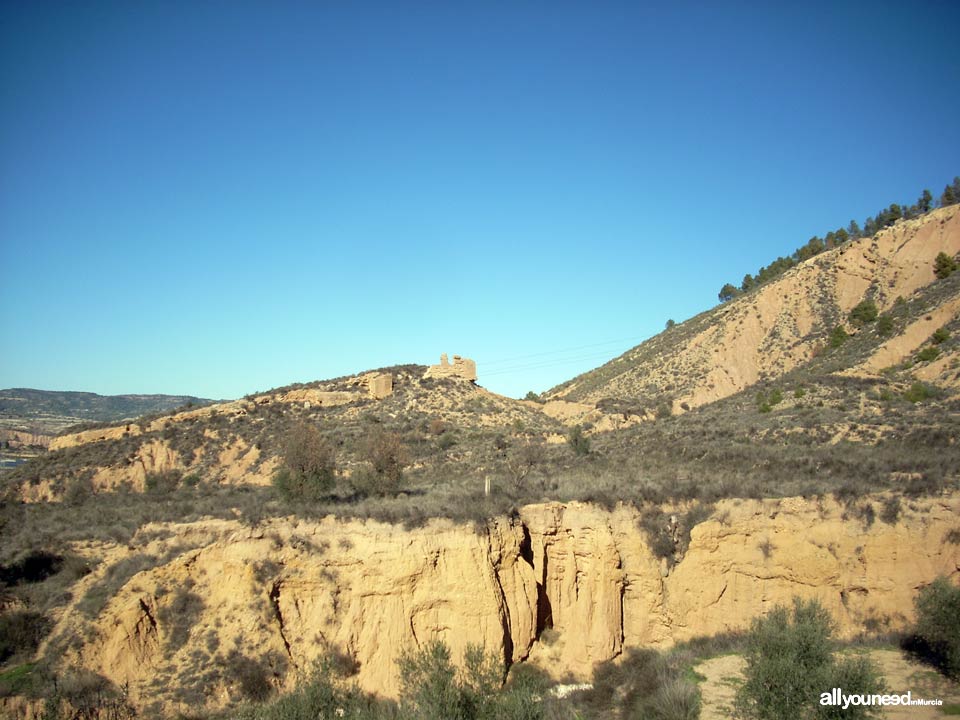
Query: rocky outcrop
[(294, 591)]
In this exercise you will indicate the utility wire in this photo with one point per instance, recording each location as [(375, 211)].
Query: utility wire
[(545, 364), (494, 363)]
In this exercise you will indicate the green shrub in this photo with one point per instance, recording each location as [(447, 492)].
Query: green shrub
[(940, 335), (790, 663), (928, 353), (162, 482), (937, 628), (658, 529), (944, 265), (578, 442), (386, 457), (322, 695), (308, 469), (838, 336), (884, 325), (645, 684), (890, 513), (677, 699), (865, 312), (433, 689), (252, 675), (919, 392), (766, 401)]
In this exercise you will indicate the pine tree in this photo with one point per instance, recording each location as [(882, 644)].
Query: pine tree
[(728, 292), (948, 197), (944, 265)]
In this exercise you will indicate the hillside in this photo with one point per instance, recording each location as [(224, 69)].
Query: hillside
[(754, 383), (451, 429), (763, 334)]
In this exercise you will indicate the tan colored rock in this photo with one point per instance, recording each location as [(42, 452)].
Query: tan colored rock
[(377, 385), (565, 411), (461, 367), (88, 436), (311, 397), (295, 589)]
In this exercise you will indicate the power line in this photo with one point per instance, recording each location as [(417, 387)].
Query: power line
[(494, 363), (546, 364)]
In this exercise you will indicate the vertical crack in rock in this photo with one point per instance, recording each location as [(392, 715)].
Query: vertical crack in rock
[(544, 608), (275, 601), (504, 618), (148, 615)]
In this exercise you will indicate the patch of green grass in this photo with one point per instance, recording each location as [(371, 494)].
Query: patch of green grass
[(20, 680)]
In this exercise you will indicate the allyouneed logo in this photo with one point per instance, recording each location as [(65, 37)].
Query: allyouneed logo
[(836, 697)]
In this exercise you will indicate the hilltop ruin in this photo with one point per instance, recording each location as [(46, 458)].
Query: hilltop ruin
[(462, 367)]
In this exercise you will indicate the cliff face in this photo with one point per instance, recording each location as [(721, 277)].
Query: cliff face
[(286, 593)]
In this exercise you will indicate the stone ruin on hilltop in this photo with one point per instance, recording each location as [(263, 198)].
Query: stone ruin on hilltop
[(462, 368)]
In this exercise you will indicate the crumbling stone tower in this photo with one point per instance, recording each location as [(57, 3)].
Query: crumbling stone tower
[(461, 367)]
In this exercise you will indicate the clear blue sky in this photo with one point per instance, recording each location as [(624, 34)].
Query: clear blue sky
[(214, 198)]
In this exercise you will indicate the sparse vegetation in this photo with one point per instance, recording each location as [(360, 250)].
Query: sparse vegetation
[(884, 326), (21, 633), (433, 689), (383, 473), (578, 441), (940, 335), (944, 266), (918, 392), (309, 465), (162, 482), (790, 661), (522, 461), (864, 312), (838, 336), (936, 635), (891, 511), (767, 400)]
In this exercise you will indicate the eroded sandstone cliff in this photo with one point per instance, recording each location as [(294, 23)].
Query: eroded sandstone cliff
[(287, 592)]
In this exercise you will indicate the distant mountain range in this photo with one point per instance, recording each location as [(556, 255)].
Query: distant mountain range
[(49, 411)]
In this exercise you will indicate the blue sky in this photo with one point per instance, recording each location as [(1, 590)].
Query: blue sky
[(214, 198)]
